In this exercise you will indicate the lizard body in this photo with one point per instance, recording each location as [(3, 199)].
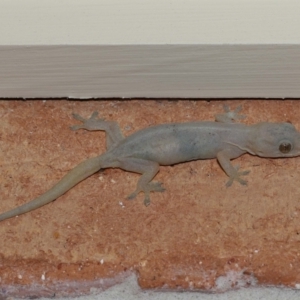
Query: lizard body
[(168, 144)]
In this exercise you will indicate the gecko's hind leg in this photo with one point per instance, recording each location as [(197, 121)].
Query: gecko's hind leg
[(148, 169), (112, 129)]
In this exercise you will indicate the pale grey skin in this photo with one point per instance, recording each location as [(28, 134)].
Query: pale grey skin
[(168, 144)]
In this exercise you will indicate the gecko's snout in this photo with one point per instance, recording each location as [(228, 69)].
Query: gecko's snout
[(296, 146)]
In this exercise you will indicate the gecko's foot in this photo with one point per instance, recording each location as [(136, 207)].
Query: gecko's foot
[(237, 177), (147, 200), (230, 116), (91, 123), (150, 187), (155, 187)]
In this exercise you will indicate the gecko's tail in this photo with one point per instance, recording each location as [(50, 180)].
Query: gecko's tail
[(79, 173)]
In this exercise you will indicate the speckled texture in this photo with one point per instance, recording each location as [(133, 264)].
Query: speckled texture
[(198, 234)]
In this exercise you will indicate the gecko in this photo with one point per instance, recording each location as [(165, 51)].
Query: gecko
[(146, 150)]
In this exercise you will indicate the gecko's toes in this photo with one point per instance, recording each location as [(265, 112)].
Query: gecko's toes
[(226, 108), (244, 173), (156, 187), (242, 181), (78, 117), (75, 127), (147, 200), (238, 109), (237, 177), (229, 182), (94, 115), (132, 196)]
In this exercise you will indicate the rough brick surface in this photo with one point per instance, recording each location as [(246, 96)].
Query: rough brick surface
[(198, 234)]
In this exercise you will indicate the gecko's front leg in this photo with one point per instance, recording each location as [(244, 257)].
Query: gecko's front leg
[(233, 172), (93, 123), (230, 116)]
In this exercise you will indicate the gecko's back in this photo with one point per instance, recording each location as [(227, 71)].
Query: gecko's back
[(173, 143)]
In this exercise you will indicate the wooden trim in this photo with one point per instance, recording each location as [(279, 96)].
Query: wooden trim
[(151, 48)]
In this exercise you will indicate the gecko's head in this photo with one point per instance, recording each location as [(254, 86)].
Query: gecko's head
[(275, 140)]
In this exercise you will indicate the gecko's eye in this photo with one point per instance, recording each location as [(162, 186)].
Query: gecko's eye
[(285, 147)]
